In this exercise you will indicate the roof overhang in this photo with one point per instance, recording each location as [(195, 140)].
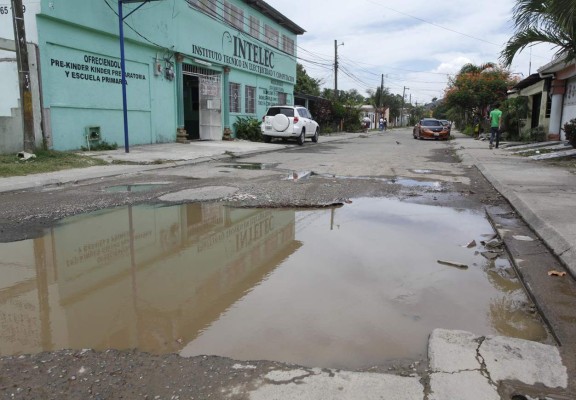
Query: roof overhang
[(528, 81), (275, 15), (554, 66)]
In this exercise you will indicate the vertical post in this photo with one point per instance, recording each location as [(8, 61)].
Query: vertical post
[(123, 68), (179, 91), (181, 134), (23, 76), (226, 93), (336, 69), (381, 92), (402, 108)]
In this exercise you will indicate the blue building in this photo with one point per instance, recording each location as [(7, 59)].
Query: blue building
[(192, 68)]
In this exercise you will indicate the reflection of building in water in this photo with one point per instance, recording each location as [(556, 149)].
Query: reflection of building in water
[(136, 277)]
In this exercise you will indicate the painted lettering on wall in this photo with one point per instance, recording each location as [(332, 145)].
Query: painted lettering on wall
[(253, 53), (269, 96), (243, 54), (95, 69)]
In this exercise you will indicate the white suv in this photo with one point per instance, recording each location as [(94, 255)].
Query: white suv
[(289, 122)]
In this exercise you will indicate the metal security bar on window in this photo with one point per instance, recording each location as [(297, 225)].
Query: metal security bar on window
[(250, 100), (234, 97), (189, 69)]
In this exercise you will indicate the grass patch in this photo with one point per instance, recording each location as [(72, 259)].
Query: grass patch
[(45, 161), (568, 163), (537, 152)]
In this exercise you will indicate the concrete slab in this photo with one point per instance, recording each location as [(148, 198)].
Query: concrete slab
[(336, 385), (487, 361), (556, 154), (529, 146), (524, 361), (452, 351), (468, 385)]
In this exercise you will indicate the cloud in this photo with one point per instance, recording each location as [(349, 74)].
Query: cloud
[(415, 44)]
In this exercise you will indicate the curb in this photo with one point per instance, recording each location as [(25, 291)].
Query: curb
[(553, 240)]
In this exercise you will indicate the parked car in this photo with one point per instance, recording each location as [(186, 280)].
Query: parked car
[(430, 128), (447, 124), (289, 122)]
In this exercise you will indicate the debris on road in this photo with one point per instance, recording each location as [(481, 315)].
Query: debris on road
[(490, 255), (556, 273), (452, 264)]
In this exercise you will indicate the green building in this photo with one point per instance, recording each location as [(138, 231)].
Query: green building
[(192, 68)]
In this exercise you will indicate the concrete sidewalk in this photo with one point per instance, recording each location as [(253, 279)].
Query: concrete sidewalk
[(543, 195), (154, 156)]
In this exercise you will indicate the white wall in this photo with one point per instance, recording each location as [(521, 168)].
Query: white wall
[(569, 108), (10, 97)]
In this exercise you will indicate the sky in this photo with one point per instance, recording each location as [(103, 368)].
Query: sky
[(415, 44)]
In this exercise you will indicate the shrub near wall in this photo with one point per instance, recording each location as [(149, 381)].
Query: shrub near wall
[(570, 130), (248, 128)]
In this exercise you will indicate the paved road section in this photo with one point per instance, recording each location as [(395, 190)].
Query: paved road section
[(462, 365)]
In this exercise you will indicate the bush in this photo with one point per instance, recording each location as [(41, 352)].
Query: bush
[(570, 130), (100, 146), (248, 128), (538, 134)]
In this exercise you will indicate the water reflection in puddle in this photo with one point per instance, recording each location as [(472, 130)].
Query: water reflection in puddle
[(251, 166), (350, 287)]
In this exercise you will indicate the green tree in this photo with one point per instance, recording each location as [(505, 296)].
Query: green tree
[(475, 87), (306, 84), (543, 21)]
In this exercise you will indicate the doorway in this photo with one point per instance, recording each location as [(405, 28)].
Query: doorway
[(191, 107), (536, 102)]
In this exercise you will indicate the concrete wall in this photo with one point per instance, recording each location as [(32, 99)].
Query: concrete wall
[(80, 56), (11, 133), (569, 109)]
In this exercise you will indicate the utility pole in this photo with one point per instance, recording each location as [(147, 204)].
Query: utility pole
[(402, 108), (381, 94), (336, 67), (23, 76)]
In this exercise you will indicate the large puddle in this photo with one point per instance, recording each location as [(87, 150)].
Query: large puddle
[(350, 287)]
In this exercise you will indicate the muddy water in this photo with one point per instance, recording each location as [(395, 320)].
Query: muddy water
[(350, 287)]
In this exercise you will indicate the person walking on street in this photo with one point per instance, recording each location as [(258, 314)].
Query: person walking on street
[(381, 123), (385, 124), (366, 123), (495, 124)]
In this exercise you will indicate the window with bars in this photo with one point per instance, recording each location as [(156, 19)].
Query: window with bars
[(287, 45), (254, 27), (234, 89), (234, 15), (271, 36), (250, 100), (282, 98)]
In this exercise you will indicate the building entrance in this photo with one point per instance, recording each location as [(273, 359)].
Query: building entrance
[(191, 107), (202, 103)]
